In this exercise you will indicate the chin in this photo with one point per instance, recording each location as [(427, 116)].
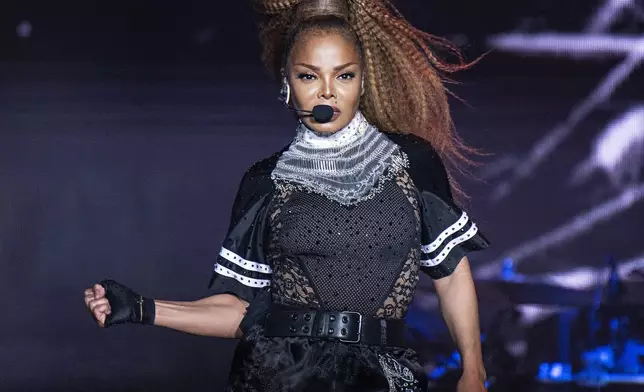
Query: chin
[(330, 127), (323, 128)]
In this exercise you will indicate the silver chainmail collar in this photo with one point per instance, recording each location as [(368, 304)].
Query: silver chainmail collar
[(348, 166)]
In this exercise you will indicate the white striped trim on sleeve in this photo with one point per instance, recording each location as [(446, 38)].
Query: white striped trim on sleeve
[(221, 270), (443, 254), (459, 224), (243, 263)]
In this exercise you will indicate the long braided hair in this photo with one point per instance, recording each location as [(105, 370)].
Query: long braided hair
[(404, 85)]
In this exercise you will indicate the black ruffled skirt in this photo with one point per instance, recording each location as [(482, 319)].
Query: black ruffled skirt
[(290, 364)]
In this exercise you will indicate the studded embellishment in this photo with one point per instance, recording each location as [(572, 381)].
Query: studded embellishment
[(400, 378)]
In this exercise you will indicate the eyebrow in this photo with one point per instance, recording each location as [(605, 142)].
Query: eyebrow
[(339, 67)]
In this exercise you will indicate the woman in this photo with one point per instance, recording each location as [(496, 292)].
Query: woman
[(328, 236)]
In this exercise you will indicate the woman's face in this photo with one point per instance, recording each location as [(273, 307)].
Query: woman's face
[(325, 69)]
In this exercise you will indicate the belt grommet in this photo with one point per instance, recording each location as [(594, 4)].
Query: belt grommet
[(331, 331), (292, 329), (343, 331), (345, 319)]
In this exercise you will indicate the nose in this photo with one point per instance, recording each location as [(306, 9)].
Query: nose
[(327, 91)]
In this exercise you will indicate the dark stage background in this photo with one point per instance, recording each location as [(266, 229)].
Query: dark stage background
[(126, 126)]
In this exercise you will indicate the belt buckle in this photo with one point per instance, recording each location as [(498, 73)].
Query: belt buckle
[(359, 328)]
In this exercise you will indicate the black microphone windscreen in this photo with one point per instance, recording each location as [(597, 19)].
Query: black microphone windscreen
[(322, 113)]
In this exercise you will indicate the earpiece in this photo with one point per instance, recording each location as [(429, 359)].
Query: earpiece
[(285, 92)]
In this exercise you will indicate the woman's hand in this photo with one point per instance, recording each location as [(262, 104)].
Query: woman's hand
[(112, 303), (97, 304), (470, 383)]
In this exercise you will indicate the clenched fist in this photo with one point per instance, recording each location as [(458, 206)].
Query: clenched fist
[(112, 303)]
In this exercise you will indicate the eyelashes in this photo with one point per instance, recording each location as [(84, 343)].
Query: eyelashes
[(305, 76), (348, 75), (309, 76)]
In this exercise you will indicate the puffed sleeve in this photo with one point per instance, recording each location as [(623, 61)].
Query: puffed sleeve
[(448, 235), (241, 268), (448, 232)]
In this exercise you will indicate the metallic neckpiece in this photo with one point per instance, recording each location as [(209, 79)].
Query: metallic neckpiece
[(312, 8)]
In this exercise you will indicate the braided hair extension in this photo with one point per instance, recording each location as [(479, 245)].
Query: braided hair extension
[(405, 80)]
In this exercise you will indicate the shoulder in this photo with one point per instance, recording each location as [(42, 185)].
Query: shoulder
[(255, 187), (261, 170), (426, 166), (412, 144), (257, 178), (420, 152)]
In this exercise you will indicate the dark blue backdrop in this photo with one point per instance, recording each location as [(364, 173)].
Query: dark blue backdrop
[(125, 130)]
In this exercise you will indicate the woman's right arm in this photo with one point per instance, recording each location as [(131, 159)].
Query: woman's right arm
[(218, 315)]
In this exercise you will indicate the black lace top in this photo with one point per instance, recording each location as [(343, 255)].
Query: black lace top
[(310, 251), (363, 259)]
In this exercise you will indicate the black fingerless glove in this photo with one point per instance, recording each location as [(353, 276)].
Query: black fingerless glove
[(127, 306)]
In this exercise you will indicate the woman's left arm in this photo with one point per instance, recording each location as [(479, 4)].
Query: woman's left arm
[(459, 308)]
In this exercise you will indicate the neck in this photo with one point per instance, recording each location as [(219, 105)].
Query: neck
[(346, 166), (352, 131)]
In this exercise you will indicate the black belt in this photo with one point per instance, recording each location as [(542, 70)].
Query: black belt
[(347, 327)]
